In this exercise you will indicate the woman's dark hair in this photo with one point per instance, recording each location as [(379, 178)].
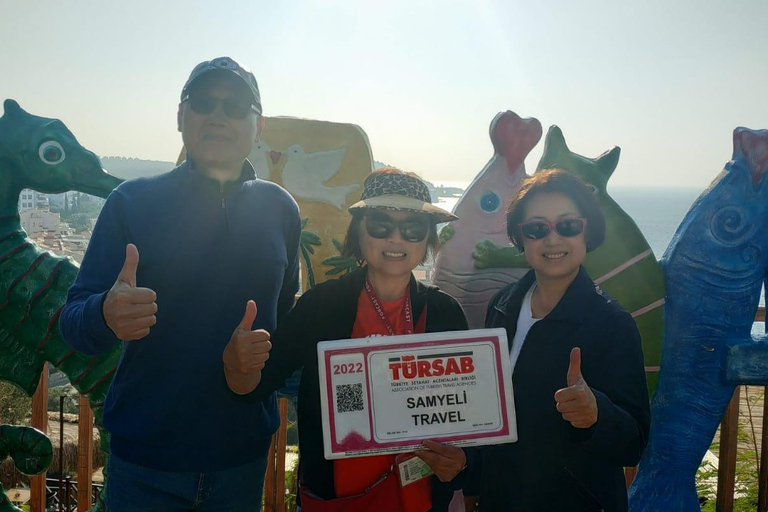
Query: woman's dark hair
[(556, 181), (352, 239)]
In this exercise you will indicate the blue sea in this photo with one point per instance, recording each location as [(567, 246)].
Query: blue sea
[(656, 211)]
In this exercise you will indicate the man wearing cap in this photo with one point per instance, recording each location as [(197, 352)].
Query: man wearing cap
[(175, 270)]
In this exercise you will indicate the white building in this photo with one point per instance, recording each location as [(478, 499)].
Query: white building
[(37, 221), (32, 199)]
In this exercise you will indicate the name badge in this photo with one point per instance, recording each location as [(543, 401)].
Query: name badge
[(411, 469)]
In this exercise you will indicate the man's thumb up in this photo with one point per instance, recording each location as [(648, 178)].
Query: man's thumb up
[(128, 310), (574, 368), (128, 272), (246, 353), (246, 323)]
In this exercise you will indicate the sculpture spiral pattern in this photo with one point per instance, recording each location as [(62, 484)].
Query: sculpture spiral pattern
[(729, 225)]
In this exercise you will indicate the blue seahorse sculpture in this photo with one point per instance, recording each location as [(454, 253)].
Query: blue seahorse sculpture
[(714, 269)]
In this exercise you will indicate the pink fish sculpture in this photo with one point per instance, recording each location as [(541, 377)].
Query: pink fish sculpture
[(481, 211)]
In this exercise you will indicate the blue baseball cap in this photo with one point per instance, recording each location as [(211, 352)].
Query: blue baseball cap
[(229, 65)]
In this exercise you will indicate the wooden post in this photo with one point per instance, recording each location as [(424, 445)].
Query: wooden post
[(40, 422), (282, 439), (269, 478), (726, 472), (84, 455), (274, 481), (762, 493), (629, 475), (61, 453)]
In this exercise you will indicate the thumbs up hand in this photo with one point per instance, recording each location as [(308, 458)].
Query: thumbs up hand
[(128, 310), (247, 350), (577, 403)]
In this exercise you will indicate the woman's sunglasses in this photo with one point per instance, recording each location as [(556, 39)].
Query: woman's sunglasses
[(540, 229), (232, 108), (381, 226)]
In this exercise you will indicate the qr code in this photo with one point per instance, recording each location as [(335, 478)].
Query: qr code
[(349, 397)]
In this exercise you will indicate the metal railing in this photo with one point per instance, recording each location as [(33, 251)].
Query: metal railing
[(61, 494)]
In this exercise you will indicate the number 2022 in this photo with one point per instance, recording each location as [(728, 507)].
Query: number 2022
[(343, 369)]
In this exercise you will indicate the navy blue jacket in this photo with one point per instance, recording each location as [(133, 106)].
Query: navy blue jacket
[(205, 249), (554, 466)]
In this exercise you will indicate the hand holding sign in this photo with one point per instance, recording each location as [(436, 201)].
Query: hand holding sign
[(445, 460), (577, 403), (128, 310), (247, 350)]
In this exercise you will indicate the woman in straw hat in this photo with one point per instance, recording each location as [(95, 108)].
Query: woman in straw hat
[(391, 231)]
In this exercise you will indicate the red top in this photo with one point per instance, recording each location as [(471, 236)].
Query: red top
[(354, 476)]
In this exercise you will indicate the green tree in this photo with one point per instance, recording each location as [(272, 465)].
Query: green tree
[(15, 406), (70, 399)]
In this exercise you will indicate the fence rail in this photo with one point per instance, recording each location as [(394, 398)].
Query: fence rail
[(65, 497)]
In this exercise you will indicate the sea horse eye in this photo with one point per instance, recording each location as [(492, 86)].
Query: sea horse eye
[(51, 152), (490, 202), (592, 188)]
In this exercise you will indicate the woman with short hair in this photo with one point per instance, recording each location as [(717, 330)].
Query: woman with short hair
[(578, 376)]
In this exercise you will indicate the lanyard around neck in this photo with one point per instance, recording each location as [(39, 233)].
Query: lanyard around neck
[(406, 309)]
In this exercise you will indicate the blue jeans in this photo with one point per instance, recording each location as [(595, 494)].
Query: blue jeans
[(134, 488)]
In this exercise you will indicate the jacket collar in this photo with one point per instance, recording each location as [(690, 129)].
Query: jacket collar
[(188, 169), (573, 307)]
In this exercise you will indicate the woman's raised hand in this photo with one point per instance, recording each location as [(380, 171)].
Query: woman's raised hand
[(577, 403)]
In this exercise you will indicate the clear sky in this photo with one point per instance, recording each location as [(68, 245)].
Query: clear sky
[(667, 80)]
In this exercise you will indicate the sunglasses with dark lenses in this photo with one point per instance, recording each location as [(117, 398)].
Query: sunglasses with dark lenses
[(232, 108), (539, 229), (382, 226)]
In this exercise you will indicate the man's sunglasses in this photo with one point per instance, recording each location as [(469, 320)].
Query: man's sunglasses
[(540, 229), (232, 108), (382, 226)]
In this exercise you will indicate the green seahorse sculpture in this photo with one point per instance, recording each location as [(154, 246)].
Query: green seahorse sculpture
[(624, 266), (42, 154)]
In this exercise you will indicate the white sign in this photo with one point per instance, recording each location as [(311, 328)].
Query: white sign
[(388, 394)]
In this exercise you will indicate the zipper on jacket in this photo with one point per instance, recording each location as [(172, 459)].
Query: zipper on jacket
[(224, 207), (584, 491)]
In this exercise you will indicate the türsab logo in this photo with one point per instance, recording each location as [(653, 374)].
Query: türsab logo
[(434, 365)]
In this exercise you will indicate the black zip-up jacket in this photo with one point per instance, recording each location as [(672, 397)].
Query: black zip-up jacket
[(554, 466), (327, 312)]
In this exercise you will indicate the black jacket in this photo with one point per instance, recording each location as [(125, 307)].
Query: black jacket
[(554, 466), (327, 312)]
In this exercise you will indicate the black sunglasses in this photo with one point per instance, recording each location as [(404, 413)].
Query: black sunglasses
[(379, 225), (232, 108), (540, 229)]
